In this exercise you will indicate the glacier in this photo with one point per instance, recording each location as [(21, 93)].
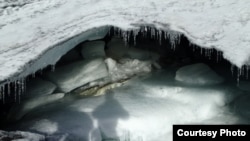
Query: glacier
[(36, 33)]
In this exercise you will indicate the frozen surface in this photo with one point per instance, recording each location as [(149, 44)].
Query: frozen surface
[(198, 74), (93, 49), (19, 110), (31, 29), (37, 87), (143, 109), (74, 75), (126, 68), (21, 136)]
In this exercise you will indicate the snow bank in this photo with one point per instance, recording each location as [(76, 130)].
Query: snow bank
[(36, 29)]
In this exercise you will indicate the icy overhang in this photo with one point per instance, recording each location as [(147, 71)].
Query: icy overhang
[(29, 29)]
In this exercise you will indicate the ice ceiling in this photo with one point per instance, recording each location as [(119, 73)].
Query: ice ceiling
[(32, 31)]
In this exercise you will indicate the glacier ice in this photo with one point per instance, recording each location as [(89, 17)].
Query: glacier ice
[(198, 74), (19, 110), (74, 75), (39, 30), (145, 108), (38, 87), (93, 49)]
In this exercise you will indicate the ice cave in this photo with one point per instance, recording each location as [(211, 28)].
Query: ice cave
[(99, 70)]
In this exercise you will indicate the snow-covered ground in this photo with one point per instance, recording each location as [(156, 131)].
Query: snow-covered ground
[(144, 109), (31, 29)]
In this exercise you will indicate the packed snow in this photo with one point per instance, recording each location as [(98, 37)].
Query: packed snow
[(37, 33)]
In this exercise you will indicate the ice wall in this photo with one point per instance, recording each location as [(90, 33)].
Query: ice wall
[(33, 30)]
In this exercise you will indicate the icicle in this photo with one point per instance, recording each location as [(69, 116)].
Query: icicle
[(8, 87), (238, 76), (247, 69), (15, 90), (174, 38), (3, 93), (135, 33), (53, 67), (125, 37), (232, 70), (242, 71), (41, 71), (34, 75), (217, 56), (160, 36)]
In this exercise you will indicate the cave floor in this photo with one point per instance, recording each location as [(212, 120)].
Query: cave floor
[(145, 108)]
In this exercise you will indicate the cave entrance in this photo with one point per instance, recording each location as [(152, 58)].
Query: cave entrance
[(124, 81)]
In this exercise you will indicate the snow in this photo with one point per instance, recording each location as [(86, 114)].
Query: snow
[(198, 74), (93, 49), (145, 108), (40, 32), (79, 73)]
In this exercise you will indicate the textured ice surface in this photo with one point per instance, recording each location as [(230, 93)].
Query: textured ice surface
[(19, 110), (21, 136), (93, 49), (145, 108), (37, 87), (126, 68), (74, 75), (198, 74), (35, 28)]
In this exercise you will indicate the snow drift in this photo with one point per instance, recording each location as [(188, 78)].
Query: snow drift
[(30, 30)]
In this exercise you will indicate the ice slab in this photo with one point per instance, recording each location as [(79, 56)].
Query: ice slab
[(74, 75), (37, 87), (198, 74), (19, 110)]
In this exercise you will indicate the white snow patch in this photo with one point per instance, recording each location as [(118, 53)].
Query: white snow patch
[(45, 126)]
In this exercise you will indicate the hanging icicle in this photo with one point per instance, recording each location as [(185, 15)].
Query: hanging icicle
[(232, 70), (53, 67)]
